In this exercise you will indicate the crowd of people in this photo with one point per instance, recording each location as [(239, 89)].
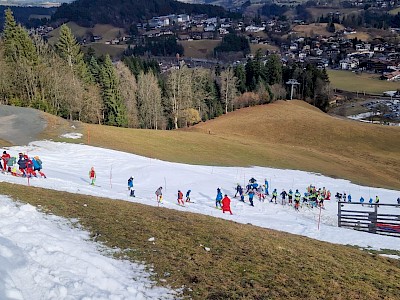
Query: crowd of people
[(312, 197), (21, 165)]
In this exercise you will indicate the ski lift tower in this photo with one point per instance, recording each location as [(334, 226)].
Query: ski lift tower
[(292, 82)]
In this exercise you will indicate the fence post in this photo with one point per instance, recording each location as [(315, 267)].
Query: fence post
[(339, 214), (372, 217)]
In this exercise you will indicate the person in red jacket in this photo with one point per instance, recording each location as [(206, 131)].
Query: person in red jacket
[(180, 198), (92, 176), (29, 167), (226, 204), (5, 157)]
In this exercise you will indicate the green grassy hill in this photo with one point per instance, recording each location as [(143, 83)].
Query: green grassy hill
[(368, 83)]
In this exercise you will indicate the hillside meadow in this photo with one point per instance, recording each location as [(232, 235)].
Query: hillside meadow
[(284, 134), (353, 82), (240, 262)]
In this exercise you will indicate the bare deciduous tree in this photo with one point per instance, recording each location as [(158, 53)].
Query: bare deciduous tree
[(149, 101), (128, 88)]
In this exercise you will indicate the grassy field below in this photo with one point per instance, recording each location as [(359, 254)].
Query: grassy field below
[(243, 261), (199, 48), (315, 29), (368, 83), (288, 135)]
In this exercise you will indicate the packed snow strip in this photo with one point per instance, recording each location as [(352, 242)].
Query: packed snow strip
[(43, 257), (73, 135), (67, 168)]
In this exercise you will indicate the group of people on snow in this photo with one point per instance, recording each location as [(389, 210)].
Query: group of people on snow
[(21, 165), (312, 197), (347, 198)]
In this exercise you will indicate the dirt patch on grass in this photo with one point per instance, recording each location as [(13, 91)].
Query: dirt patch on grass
[(244, 262)]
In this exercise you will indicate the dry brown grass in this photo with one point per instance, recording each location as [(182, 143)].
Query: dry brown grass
[(200, 48), (263, 47), (4, 143), (365, 82), (244, 262), (317, 12), (315, 29), (288, 134), (101, 48)]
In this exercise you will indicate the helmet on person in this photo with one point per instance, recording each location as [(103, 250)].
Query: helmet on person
[(297, 190), (133, 177)]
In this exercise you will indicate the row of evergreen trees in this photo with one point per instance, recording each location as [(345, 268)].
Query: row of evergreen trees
[(63, 81)]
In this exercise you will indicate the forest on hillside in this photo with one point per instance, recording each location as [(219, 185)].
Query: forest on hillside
[(122, 13), (23, 14), (61, 80)]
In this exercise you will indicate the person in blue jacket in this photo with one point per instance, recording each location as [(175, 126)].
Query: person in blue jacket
[(37, 165), (370, 201), (188, 195), (130, 186), (362, 200), (218, 199), (251, 196), (349, 198), (266, 187)]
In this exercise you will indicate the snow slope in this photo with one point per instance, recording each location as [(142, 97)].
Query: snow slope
[(40, 242), (42, 257)]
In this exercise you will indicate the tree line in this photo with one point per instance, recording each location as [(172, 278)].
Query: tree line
[(123, 13), (64, 81)]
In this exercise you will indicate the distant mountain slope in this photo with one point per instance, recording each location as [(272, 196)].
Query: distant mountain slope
[(123, 13)]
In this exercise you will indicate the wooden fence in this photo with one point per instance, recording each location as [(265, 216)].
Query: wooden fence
[(381, 219)]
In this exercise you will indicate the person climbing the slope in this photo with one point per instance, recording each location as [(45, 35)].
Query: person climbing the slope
[(22, 164), (218, 199), (159, 194), (130, 186), (297, 197), (188, 195), (274, 195), (29, 167), (239, 190), (290, 196), (266, 186), (92, 176), (251, 196), (5, 157), (283, 196), (37, 166), (180, 198), (226, 204)]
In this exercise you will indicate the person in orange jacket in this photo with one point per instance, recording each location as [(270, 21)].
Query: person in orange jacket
[(226, 204), (180, 198)]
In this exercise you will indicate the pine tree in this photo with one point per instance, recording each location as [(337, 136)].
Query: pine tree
[(69, 50), (115, 111), (94, 69), (240, 74), (274, 70), (18, 46)]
